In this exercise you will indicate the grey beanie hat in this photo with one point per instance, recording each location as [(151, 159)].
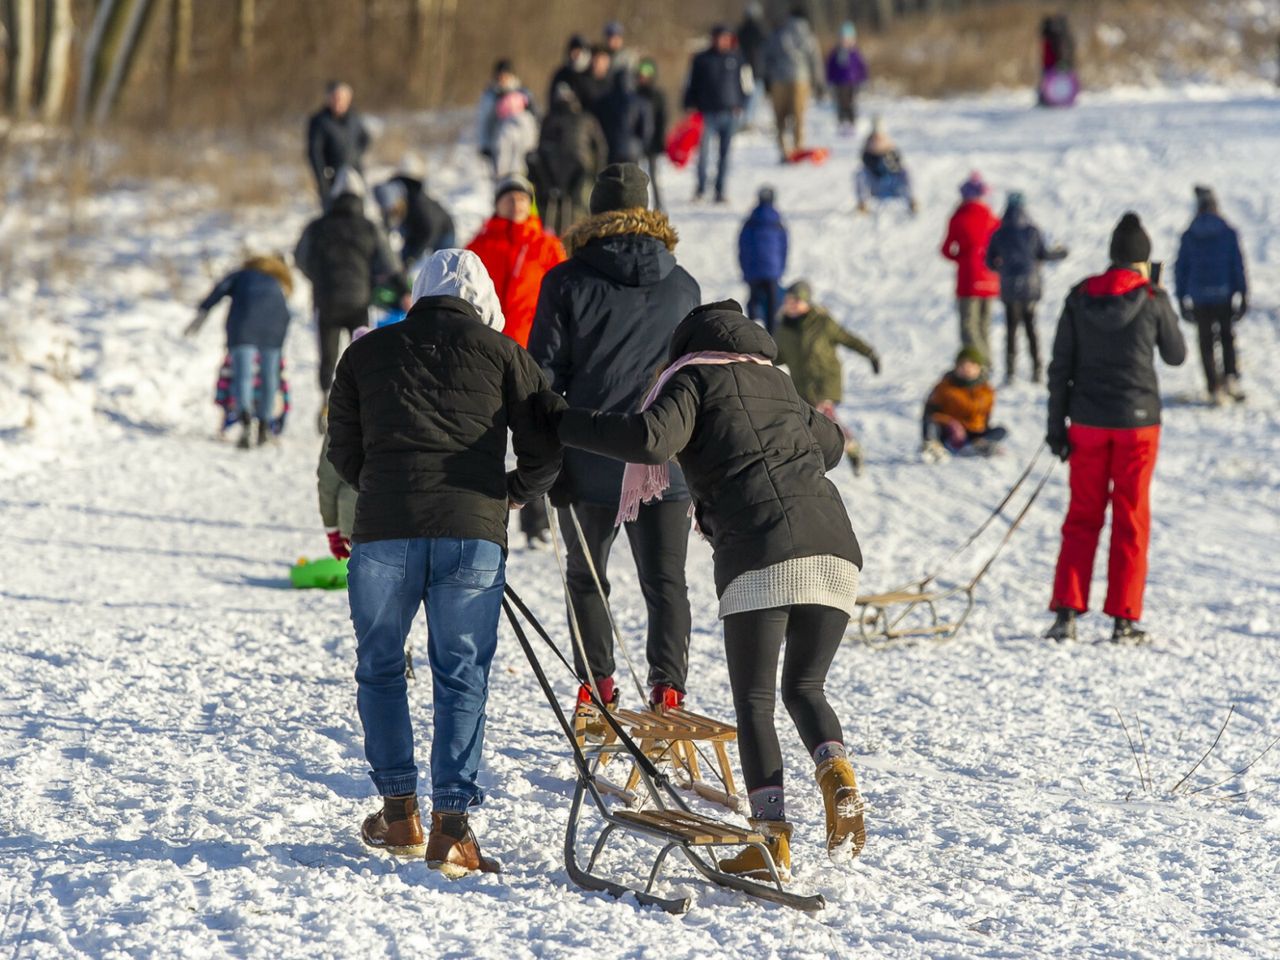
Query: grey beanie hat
[(620, 186)]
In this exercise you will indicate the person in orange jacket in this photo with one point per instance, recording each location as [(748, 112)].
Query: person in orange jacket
[(517, 252), (957, 415), (977, 285)]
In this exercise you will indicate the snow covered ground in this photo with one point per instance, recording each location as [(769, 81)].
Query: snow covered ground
[(182, 770)]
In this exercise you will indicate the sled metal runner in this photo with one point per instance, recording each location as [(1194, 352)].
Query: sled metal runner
[(885, 617), (670, 823)]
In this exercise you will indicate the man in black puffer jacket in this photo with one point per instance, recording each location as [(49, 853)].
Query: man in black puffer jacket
[(601, 329), (1103, 379), (419, 419), (336, 138), (344, 253)]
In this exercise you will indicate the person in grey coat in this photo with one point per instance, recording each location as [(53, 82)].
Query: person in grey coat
[(793, 72)]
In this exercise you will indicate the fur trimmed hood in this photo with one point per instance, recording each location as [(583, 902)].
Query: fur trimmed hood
[(619, 223), (273, 266)]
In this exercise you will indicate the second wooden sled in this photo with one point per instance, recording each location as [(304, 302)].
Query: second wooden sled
[(670, 823)]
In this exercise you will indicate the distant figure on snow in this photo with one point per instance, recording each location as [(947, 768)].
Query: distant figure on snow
[(423, 225), (506, 122), (716, 90), (257, 322), (762, 254), (1210, 283), (1016, 251), (957, 415), (1059, 81), (883, 175), (336, 138), (807, 338), (577, 61), (968, 235), (753, 37), (793, 73), (655, 110), (572, 149), (846, 73), (1103, 380)]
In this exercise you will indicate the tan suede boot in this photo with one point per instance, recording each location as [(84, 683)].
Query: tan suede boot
[(846, 832), (454, 850), (750, 862), (396, 828)]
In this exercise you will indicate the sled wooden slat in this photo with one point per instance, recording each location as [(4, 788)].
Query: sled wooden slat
[(690, 828), (898, 596)]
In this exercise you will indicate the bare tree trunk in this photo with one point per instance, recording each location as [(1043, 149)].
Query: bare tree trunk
[(22, 56), (446, 16), (89, 60), (180, 40), (245, 17), (116, 54), (57, 59), (422, 16)]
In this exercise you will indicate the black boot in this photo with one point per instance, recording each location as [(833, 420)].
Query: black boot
[(1064, 626), (264, 432), (1128, 632), (246, 432)]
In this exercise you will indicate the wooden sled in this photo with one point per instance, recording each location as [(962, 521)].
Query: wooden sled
[(915, 610), (672, 737), (668, 822)]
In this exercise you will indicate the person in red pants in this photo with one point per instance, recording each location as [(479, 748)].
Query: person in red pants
[(1102, 380)]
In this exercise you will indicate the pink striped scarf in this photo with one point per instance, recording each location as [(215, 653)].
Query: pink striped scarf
[(643, 482)]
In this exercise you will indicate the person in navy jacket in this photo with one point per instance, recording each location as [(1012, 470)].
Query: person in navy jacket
[(1212, 290), (762, 254)]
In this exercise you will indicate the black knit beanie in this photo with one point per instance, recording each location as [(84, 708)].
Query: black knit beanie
[(620, 186), (1129, 242), (1206, 202)]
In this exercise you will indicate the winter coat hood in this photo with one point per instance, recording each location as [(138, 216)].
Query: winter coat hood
[(1116, 298), (631, 247), (348, 183), (274, 267), (461, 274), (346, 205), (721, 327)]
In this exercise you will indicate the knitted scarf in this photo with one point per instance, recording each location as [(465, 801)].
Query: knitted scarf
[(643, 482)]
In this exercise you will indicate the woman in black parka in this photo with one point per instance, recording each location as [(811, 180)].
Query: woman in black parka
[(786, 559)]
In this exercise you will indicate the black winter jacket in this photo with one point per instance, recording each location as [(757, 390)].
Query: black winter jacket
[(1103, 372), (715, 82), (755, 454), (334, 143), (427, 226), (418, 420), (343, 253), (604, 319), (1015, 251)]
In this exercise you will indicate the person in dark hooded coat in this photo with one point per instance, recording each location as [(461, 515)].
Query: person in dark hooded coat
[(1016, 251), (600, 331), (755, 457), (572, 149)]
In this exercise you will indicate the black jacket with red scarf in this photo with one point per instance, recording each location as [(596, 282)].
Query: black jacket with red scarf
[(1103, 369)]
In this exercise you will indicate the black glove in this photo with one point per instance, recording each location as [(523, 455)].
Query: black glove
[(548, 409), (875, 363), (1059, 445)]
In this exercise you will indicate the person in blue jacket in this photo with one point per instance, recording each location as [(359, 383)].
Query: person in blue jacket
[(1015, 251), (1210, 283), (256, 325), (762, 254)]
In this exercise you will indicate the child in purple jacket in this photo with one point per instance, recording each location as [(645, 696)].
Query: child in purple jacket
[(846, 73)]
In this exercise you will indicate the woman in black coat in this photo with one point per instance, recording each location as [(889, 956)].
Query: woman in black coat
[(786, 559)]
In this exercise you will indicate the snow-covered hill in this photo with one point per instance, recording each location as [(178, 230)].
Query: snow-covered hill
[(182, 770)]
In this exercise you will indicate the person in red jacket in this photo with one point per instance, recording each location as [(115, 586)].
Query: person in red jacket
[(517, 252), (977, 286)]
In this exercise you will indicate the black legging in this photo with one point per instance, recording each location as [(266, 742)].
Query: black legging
[(1020, 313), (1214, 322), (331, 327), (752, 642)]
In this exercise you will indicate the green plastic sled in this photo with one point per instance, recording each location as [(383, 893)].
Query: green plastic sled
[(326, 573)]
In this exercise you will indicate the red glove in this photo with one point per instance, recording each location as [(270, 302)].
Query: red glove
[(339, 545)]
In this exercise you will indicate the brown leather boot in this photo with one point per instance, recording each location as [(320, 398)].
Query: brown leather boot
[(750, 862), (396, 828), (846, 832), (453, 849)]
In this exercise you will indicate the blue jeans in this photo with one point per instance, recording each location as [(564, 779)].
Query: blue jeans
[(723, 125), (461, 583), (248, 401)]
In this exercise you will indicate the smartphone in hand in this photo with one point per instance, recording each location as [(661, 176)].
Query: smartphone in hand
[(1157, 268)]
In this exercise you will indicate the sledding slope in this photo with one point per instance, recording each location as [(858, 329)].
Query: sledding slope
[(182, 769)]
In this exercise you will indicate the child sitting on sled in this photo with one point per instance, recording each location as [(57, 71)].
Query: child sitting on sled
[(883, 175), (807, 338), (957, 415), (755, 456)]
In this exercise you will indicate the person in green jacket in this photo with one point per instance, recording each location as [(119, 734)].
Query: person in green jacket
[(337, 504), (807, 338)]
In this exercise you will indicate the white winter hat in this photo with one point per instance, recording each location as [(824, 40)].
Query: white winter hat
[(349, 181), (460, 273)]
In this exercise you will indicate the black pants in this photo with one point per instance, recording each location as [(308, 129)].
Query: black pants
[(847, 104), (659, 539), (762, 302), (752, 642), (1020, 314), (332, 327), (1215, 322), (652, 159), (533, 518)]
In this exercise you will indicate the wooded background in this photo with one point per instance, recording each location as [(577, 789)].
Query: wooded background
[(214, 62)]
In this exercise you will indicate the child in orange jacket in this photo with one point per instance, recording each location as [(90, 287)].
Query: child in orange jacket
[(957, 415)]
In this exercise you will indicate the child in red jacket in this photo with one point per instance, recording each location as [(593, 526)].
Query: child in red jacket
[(977, 286)]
